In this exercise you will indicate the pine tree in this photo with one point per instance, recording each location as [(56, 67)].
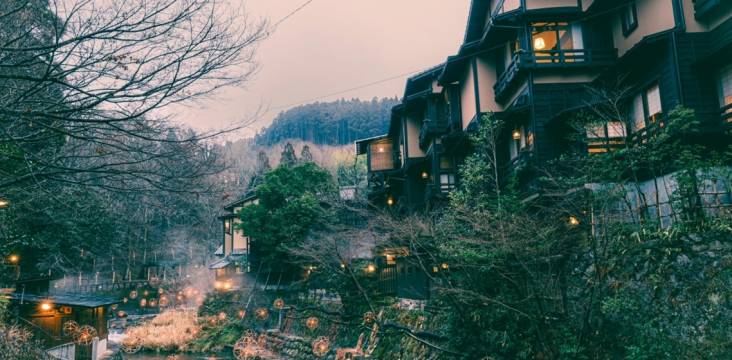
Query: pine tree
[(305, 155), (262, 168), (262, 163), (288, 157)]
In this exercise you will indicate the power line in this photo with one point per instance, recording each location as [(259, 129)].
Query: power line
[(452, 59), (293, 12), (359, 87)]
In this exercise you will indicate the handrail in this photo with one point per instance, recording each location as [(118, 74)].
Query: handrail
[(726, 112), (552, 58)]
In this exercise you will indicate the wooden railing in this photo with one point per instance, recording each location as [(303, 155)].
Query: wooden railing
[(552, 59), (641, 136), (388, 281), (726, 112)]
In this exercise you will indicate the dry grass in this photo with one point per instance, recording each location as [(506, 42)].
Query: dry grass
[(172, 330)]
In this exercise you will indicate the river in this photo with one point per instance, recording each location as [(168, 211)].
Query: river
[(154, 356)]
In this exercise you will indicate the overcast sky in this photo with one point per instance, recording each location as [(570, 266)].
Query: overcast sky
[(333, 45)]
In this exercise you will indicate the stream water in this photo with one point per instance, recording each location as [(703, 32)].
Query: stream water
[(154, 356)]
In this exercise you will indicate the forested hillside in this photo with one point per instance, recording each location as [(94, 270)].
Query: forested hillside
[(331, 123)]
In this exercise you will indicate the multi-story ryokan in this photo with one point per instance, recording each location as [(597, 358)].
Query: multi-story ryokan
[(531, 63)]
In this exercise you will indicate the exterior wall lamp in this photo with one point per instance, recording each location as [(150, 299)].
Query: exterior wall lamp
[(516, 134)]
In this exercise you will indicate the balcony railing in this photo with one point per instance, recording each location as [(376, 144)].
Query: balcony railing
[(727, 114), (429, 129), (552, 59), (641, 136)]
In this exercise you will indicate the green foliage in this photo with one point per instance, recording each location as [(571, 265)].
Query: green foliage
[(525, 284), (289, 208), (288, 157)]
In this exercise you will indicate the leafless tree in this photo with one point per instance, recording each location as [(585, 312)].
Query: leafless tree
[(86, 87)]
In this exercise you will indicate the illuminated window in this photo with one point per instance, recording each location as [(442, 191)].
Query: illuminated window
[(629, 18), (520, 139), (646, 108), (227, 226), (601, 138), (447, 182), (548, 40)]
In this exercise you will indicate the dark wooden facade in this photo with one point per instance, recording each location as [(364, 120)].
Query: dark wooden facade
[(531, 63), (676, 49)]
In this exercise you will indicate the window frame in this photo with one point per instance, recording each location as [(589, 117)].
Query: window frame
[(648, 118), (451, 183), (602, 142), (632, 10)]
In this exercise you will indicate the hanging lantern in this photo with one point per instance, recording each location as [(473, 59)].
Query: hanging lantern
[(242, 314), (312, 323), (85, 335), (445, 266), (516, 134), (133, 294), (145, 293), (70, 328), (321, 346), (222, 316), (113, 307), (46, 306), (371, 268), (131, 345), (143, 302), (539, 43), (261, 313), (160, 291), (573, 221), (121, 314), (279, 304), (245, 347), (125, 300), (390, 201), (163, 302), (425, 175), (369, 318), (152, 303)]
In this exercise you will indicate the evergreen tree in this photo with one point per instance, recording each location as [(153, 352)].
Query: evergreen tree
[(305, 155), (262, 168), (288, 157)]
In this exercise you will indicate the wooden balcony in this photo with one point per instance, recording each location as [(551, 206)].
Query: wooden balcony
[(430, 129), (726, 112), (603, 145), (581, 58)]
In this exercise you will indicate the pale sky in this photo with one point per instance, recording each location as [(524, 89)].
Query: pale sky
[(333, 45)]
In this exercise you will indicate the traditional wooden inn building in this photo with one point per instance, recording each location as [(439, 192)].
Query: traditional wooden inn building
[(532, 64), (233, 258)]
